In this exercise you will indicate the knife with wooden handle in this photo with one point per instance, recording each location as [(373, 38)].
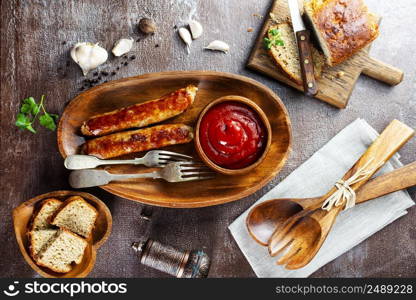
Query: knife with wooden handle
[(305, 54)]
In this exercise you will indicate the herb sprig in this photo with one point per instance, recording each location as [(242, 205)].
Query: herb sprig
[(274, 40), (29, 113)]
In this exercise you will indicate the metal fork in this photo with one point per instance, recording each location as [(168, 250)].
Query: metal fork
[(173, 172), (154, 158)]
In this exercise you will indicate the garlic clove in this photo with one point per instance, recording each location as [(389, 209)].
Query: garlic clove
[(196, 29), (186, 37), (122, 46), (218, 46), (88, 56)]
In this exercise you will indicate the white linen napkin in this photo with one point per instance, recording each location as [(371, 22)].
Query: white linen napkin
[(314, 178)]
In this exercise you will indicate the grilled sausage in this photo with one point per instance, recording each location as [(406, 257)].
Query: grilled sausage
[(131, 141), (140, 115)]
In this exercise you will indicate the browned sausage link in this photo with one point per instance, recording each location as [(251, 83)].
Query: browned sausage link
[(140, 115), (126, 142)]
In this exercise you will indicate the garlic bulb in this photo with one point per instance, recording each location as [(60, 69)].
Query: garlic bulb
[(196, 29), (218, 46), (88, 56), (122, 46), (186, 37)]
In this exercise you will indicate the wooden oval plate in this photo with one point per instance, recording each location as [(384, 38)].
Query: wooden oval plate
[(212, 85), (21, 218)]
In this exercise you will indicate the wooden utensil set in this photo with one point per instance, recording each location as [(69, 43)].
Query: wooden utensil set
[(295, 229)]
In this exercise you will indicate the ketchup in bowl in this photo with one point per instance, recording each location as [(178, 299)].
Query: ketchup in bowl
[(232, 135)]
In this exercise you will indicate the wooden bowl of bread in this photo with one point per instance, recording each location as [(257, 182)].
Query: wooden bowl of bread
[(60, 232)]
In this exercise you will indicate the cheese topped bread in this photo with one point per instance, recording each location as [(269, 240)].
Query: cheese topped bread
[(286, 53), (40, 219), (76, 215), (343, 27)]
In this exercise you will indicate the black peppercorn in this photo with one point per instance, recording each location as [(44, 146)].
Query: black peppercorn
[(147, 26)]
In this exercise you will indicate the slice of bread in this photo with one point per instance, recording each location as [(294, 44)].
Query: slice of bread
[(76, 215), (38, 239), (286, 56), (63, 249), (40, 219)]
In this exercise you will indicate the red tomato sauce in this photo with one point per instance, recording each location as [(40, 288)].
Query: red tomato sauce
[(232, 135)]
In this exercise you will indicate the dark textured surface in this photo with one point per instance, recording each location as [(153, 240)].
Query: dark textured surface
[(34, 61)]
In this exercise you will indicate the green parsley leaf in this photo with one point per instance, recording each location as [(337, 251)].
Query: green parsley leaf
[(30, 105), (267, 43), (47, 121), (30, 128), (275, 39), (274, 31), (55, 117), (25, 108), (29, 112), (279, 43), (22, 120)]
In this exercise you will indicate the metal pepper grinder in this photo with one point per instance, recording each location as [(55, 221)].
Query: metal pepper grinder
[(170, 260)]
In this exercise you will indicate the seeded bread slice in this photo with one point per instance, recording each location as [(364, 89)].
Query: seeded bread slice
[(63, 249), (38, 239), (286, 56), (40, 219), (76, 215)]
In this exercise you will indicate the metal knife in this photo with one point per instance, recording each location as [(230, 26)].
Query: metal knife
[(305, 54)]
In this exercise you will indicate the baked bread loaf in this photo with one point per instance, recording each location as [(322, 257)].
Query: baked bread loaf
[(343, 27), (38, 239), (286, 54), (63, 249), (76, 215), (40, 219)]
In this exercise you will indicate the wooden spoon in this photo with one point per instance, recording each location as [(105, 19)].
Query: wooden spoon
[(266, 217), (303, 234)]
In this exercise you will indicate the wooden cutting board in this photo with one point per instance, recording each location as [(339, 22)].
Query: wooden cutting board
[(336, 84)]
